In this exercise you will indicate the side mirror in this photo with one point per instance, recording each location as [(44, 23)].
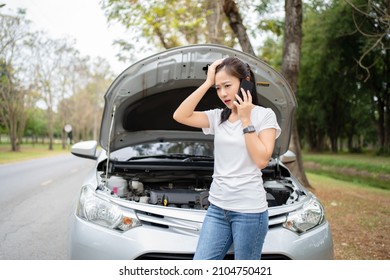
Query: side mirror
[(288, 157), (85, 149)]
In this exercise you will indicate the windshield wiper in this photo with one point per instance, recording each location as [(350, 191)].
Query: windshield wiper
[(184, 157), (199, 158)]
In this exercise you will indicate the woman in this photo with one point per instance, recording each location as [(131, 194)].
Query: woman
[(244, 139)]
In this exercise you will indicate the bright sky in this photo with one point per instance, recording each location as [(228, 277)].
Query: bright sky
[(82, 20)]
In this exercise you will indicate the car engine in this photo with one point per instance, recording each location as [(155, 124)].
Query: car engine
[(188, 193)]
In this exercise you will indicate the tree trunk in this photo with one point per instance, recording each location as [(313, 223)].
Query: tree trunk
[(235, 21), (63, 139), (214, 21), (12, 113), (290, 70), (22, 119), (50, 128), (15, 145), (387, 95)]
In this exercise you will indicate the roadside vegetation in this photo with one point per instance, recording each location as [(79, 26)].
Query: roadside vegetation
[(365, 169), (28, 152)]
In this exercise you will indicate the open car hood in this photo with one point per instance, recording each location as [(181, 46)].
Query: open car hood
[(140, 102)]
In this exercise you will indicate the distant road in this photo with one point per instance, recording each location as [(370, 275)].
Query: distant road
[(36, 199)]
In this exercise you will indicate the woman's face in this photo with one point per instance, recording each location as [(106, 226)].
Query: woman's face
[(227, 87)]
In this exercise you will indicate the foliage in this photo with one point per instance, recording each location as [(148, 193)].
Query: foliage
[(271, 52), (36, 123), (165, 24), (39, 71), (372, 23), (14, 32), (270, 27), (268, 11), (333, 103)]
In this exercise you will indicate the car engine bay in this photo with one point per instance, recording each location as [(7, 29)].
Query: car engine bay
[(185, 188)]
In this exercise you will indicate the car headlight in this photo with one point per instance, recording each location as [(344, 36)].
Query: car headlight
[(306, 218), (105, 213)]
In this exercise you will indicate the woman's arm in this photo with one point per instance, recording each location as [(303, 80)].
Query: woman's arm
[(261, 146), (186, 113)]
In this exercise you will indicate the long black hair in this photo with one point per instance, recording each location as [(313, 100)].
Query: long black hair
[(235, 67)]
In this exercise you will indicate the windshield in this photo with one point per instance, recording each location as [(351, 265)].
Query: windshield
[(204, 148)]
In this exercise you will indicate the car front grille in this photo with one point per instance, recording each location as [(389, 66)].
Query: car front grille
[(161, 221)]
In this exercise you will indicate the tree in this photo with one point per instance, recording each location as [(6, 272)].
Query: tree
[(34, 67), (336, 103), (13, 36), (232, 12), (83, 109), (53, 63), (168, 24), (327, 80), (290, 70), (372, 23)]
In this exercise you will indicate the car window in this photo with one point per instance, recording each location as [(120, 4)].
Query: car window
[(204, 148)]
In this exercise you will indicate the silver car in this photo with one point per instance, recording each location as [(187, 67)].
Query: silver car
[(147, 196)]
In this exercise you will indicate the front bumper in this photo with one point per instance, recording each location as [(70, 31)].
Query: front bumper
[(89, 241)]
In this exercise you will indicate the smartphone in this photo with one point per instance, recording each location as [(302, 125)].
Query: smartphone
[(246, 85)]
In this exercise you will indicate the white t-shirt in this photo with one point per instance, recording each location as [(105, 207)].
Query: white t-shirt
[(237, 181)]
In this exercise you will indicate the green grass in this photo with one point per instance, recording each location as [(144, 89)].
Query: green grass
[(28, 151), (363, 169), (366, 162)]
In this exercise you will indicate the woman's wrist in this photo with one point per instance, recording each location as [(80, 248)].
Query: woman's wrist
[(245, 122), (208, 83)]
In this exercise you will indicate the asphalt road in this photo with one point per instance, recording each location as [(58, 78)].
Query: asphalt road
[(36, 199)]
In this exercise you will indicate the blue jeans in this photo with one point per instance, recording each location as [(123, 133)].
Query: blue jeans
[(223, 228)]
